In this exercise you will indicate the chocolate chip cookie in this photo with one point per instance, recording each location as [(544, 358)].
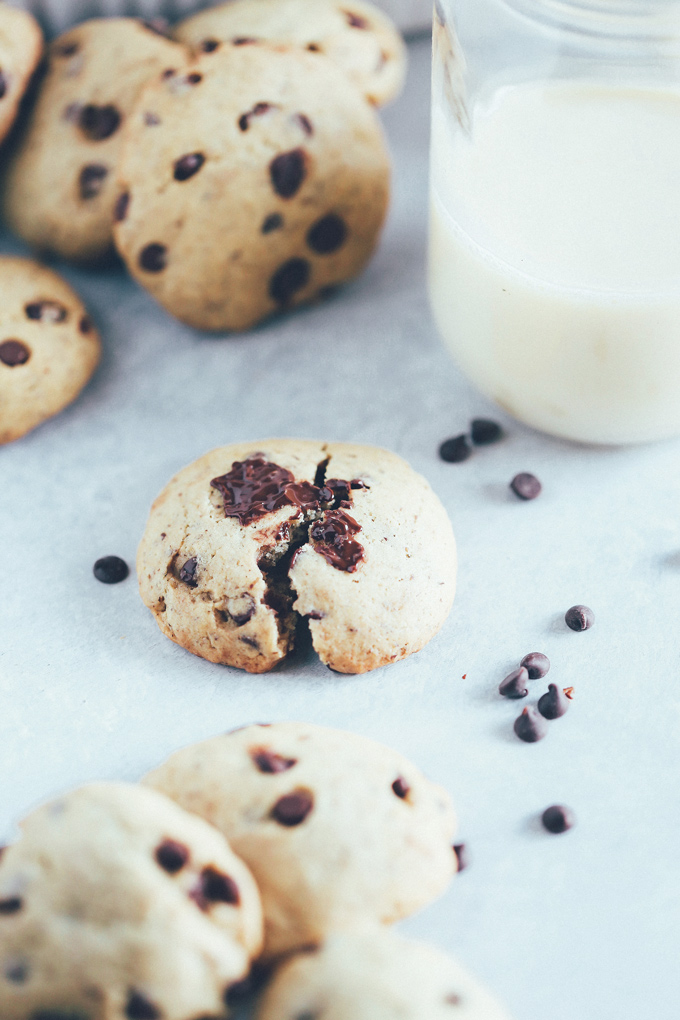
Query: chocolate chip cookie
[(115, 903), (21, 45), (357, 36), (376, 975), (60, 188), (49, 347), (250, 182), (250, 540), (337, 829)]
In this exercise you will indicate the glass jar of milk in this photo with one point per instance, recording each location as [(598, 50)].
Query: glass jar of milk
[(555, 209)]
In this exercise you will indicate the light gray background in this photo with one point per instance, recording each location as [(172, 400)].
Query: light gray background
[(582, 926)]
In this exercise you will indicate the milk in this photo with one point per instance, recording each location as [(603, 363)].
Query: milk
[(555, 256)]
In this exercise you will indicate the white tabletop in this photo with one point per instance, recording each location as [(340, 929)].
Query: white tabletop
[(582, 926)]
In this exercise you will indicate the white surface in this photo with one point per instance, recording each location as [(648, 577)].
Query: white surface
[(583, 926)]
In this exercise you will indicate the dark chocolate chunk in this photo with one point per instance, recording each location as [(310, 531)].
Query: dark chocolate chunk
[(289, 278), (172, 856), (537, 664), (554, 703), (270, 762), (13, 353), (187, 572), (305, 123), (215, 887), (401, 787), (287, 172), (121, 207), (138, 1007), (110, 569), (91, 180), (254, 487), (526, 486), (355, 20), (194, 78), (98, 122), (558, 818), (332, 537), (455, 450), (293, 808), (85, 324), (45, 311), (257, 111), (11, 905), (209, 45), (272, 222), (515, 684), (530, 726), (483, 432), (327, 234), (579, 618), (186, 166), (462, 856), (153, 257)]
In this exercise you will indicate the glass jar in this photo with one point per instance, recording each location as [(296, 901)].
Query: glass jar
[(555, 209)]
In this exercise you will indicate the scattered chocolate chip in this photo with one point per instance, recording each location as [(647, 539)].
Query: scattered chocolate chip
[(293, 808), (289, 278), (11, 905), (98, 122), (85, 324), (151, 119), (537, 665), (569, 692), (316, 615), (17, 971), (257, 111), (187, 572), (209, 45), (45, 311), (332, 537), (169, 72), (313, 47), (160, 26), (401, 787), (272, 222), (579, 618), (483, 432), (305, 123), (355, 20), (558, 818), (153, 258), (186, 166), (357, 483), (515, 684), (455, 450), (120, 209), (270, 762), (138, 1007), (327, 234), (110, 569), (530, 726), (462, 856), (526, 486), (287, 172), (215, 887), (91, 180), (194, 78), (245, 612), (172, 856), (66, 49), (243, 40), (13, 353), (554, 703)]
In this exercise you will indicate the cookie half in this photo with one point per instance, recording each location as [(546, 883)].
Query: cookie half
[(250, 182), (251, 538), (337, 829), (21, 45), (356, 36), (116, 903), (49, 347)]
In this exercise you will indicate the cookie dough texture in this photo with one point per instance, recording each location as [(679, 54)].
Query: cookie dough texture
[(49, 347), (376, 975), (238, 601), (60, 187), (358, 37), (21, 45), (110, 908), (352, 847), (251, 182)]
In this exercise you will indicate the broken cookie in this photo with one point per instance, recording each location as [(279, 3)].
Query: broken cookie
[(252, 539)]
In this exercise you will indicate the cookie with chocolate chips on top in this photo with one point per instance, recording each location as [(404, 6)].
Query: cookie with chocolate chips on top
[(21, 45), (250, 183), (337, 829), (60, 188), (251, 539), (356, 35), (115, 904)]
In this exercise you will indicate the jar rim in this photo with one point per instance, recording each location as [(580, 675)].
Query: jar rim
[(618, 19)]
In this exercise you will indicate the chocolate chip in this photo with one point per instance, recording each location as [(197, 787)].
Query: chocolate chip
[(272, 222), (169, 72), (355, 20), (121, 207), (401, 787), (293, 808), (172, 856), (305, 123), (17, 971), (537, 665), (287, 172), (243, 40), (357, 483), (483, 431), (270, 762), (515, 684), (11, 905), (138, 1007), (530, 726), (257, 111), (554, 703), (153, 257), (557, 818), (315, 614), (110, 569), (455, 450), (13, 353), (313, 47), (579, 618), (289, 278), (246, 613), (3, 84), (45, 311), (66, 49), (526, 486), (332, 537), (91, 180), (194, 78), (98, 122), (251, 642), (327, 234), (151, 119), (85, 324), (215, 887), (186, 166), (462, 856), (209, 45), (187, 572)]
